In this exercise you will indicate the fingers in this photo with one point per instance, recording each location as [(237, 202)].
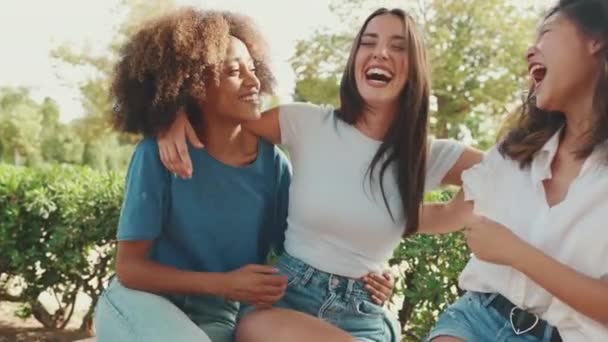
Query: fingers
[(185, 165), (265, 269), (377, 296), (379, 283), (274, 280), (378, 301), (168, 158), (379, 287), (173, 148), (269, 299)]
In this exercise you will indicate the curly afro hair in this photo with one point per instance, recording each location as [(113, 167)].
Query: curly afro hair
[(169, 63)]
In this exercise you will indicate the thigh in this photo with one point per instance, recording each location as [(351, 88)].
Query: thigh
[(124, 314), (287, 325)]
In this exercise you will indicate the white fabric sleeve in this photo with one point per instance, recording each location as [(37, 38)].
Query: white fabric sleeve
[(299, 120), (443, 154), (479, 182)]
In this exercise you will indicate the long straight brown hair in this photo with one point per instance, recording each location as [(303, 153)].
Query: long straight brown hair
[(534, 127), (405, 142)]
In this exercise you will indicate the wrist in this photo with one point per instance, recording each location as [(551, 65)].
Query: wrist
[(522, 255), (212, 283)]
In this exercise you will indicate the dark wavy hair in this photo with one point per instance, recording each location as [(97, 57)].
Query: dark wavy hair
[(405, 143), (534, 127), (168, 63)]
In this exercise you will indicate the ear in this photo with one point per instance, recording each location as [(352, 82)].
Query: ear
[(596, 46)]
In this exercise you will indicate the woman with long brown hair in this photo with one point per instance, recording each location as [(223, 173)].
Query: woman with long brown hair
[(536, 207), (359, 173)]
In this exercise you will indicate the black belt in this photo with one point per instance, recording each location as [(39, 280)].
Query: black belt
[(522, 321)]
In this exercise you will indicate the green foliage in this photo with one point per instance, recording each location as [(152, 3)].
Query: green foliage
[(104, 149), (428, 280), (20, 127), (476, 50), (57, 225)]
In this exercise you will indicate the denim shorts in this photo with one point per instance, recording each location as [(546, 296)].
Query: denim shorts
[(127, 315), (472, 319), (338, 300)]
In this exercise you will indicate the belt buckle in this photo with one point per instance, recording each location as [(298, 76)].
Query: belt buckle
[(517, 330)]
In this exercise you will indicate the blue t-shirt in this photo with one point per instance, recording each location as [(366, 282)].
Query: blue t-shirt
[(223, 218)]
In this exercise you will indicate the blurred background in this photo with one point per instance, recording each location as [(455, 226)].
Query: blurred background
[(62, 167)]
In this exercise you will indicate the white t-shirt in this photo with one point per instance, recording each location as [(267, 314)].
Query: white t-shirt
[(573, 231), (337, 221)]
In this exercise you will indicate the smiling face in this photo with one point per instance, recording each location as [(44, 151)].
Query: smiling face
[(561, 64), (381, 61), (237, 94)]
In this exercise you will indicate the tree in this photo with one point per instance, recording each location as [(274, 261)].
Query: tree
[(475, 48), (103, 148), (20, 127), (59, 143)]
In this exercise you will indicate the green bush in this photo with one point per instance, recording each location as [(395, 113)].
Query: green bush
[(428, 281), (56, 230), (57, 227)]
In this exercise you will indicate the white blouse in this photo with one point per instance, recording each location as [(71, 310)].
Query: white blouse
[(574, 232)]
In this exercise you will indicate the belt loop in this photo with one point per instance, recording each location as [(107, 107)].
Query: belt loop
[(349, 289), (307, 275), (487, 298)]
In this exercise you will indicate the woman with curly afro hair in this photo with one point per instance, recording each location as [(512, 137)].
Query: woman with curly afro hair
[(190, 250)]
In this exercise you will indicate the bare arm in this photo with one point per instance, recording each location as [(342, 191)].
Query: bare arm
[(174, 150), (135, 270), (495, 243), (441, 218), (467, 159), (267, 126), (586, 295), (256, 284)]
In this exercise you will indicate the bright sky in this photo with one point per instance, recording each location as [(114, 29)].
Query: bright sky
[(30, 29)]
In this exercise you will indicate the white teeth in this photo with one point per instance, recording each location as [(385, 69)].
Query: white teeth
[(535, 68), (379, 72), (250, 98)]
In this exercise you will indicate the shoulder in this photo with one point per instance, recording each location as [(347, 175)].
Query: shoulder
[(146, 153), (303, 112), (274, 153), (146, 160), (439, 146)]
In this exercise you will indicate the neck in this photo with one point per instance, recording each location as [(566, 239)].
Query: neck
[(375, 121), (579, 120), (225, 140)]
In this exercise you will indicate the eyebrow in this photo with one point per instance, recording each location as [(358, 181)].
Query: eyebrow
[(238, 60), (375, 35)]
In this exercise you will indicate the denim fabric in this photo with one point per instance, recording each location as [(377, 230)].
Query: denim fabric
[(472, 319), (341, 301), (123, 314)]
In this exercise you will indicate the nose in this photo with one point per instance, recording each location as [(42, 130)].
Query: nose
[(251, 79), (380, 52), (531, 52)]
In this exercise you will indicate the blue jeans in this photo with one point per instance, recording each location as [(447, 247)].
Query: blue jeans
[(472, 319), (123, 314), (341, 301)]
